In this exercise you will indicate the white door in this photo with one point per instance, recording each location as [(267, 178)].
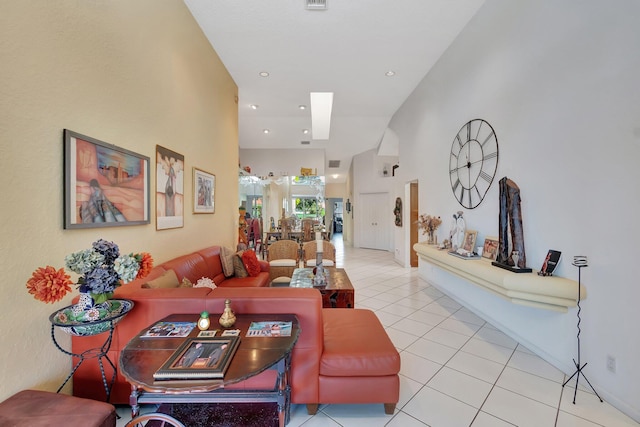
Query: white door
[(375, 225)]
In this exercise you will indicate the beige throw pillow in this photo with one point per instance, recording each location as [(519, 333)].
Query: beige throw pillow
[(167, 280), (226, 258)]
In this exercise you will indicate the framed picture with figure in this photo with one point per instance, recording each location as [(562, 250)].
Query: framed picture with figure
[(490, 248), (104, 185), (204, 186), (469, 243), (169, 189)]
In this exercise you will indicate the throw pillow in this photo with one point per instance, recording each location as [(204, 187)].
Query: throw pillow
[(238, 266), (205, 282), (251, 263), (186, 283), (167, 280), (226, 258)]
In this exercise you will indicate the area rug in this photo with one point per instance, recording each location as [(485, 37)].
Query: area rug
[(222, 414)]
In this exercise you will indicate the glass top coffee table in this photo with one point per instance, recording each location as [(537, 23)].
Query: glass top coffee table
[(264, 362), (337, 293)]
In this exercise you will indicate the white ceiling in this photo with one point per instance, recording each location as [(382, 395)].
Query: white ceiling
[(346, 49)]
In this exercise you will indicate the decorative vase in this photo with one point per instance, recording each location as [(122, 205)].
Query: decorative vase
[(431, 240), (228, 318)]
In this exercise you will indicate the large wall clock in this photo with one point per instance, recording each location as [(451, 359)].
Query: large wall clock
[(473, 162)]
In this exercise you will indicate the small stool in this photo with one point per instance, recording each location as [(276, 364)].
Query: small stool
[(33, 408), (280, 282)]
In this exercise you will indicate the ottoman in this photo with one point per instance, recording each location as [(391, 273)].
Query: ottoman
[(33, 408)]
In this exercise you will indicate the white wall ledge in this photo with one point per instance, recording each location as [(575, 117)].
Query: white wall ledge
[(550, 293)]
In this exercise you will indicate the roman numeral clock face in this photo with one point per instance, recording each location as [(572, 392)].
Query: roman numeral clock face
[(473, 162)]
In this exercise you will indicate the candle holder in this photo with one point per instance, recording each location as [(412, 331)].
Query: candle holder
[(579, 261)]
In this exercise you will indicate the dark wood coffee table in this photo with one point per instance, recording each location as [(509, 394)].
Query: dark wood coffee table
[(338, 292), (142, 357)]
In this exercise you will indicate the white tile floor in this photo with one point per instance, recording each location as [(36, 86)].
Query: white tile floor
[(457, 370)]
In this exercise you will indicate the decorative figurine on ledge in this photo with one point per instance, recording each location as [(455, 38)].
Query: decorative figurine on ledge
[(510, 219)]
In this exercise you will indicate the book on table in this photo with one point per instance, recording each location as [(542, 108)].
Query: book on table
[(199, 359), (269, 329), (169, 330)]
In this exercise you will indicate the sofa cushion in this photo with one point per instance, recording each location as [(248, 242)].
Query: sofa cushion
[(226, 258), (356, 344), (251, 264), (283, 263), (167, 280), (239, 270)]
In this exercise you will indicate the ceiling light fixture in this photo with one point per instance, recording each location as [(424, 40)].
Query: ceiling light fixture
[(253, 106), (305, 131), (321, 105), (302, 107), (263, 74), (335, 176), (390, 73), (265, 131)]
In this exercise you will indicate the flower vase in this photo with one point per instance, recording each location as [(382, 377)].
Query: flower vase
[(90, 307), (432, 239)]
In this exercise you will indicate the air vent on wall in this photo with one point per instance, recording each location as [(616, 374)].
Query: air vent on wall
[(305, 142), (334, 163), (316, 4)]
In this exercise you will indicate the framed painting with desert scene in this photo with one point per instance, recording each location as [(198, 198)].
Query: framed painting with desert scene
[(169, 189), (104, 185), (490, 248), (204, 186)]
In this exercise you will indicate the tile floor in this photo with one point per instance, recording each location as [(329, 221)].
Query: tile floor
[(457, 370)]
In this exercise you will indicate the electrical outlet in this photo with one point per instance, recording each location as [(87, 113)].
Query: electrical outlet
[(611, 364)]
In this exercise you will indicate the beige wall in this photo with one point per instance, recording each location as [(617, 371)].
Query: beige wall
[(133, 74)]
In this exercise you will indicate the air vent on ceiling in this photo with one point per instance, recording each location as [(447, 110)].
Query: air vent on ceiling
[(316, 4), (305, 142), (334, 163)]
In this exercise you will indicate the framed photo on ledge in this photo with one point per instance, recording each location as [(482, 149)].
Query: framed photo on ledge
[(204, 187), (104, 185), (490, 248), (469, 243)]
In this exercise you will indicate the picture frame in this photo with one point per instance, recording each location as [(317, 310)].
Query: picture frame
[(204, 187), (469, 243), (490, 248), (199, 358), (169, 189), (104, 185)]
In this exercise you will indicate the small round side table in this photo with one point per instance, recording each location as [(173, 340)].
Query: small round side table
[(117, 309)]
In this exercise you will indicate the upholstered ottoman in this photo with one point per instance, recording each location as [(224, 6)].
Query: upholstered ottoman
[(32, 408), (359, 363)]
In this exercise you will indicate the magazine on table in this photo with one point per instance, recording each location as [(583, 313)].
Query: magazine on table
[(269, 329), (199, 359), (169, 330)]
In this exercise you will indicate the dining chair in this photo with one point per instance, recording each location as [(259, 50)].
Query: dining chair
[(328, 254), (283, 257)]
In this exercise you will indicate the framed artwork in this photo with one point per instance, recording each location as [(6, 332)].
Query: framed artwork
[(104, 185), (199, 358), (470, 240), (204, 187), (169, 189), (490, 248)]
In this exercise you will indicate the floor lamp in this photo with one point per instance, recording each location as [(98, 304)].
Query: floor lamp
[(580, 262)]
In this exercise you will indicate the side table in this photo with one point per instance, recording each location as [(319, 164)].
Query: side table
[(117, 309)]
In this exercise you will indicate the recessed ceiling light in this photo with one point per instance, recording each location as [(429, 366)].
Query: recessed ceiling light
[(390, 73), (265, 131), (335, 176), (302, 107), (305, 131), (263, 74), (253, 106)]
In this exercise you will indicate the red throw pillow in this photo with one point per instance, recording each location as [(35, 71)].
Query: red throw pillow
[(251, 263)]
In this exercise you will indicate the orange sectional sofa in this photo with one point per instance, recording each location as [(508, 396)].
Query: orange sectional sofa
[(341, 356)]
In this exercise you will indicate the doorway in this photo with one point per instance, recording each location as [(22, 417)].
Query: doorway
[(413, 223)]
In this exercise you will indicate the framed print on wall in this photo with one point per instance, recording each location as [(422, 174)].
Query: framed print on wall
[(204, 187), (169, 189), (104, 185)]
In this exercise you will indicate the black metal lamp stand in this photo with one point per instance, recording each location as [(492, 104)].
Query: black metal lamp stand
[(580, 262)]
